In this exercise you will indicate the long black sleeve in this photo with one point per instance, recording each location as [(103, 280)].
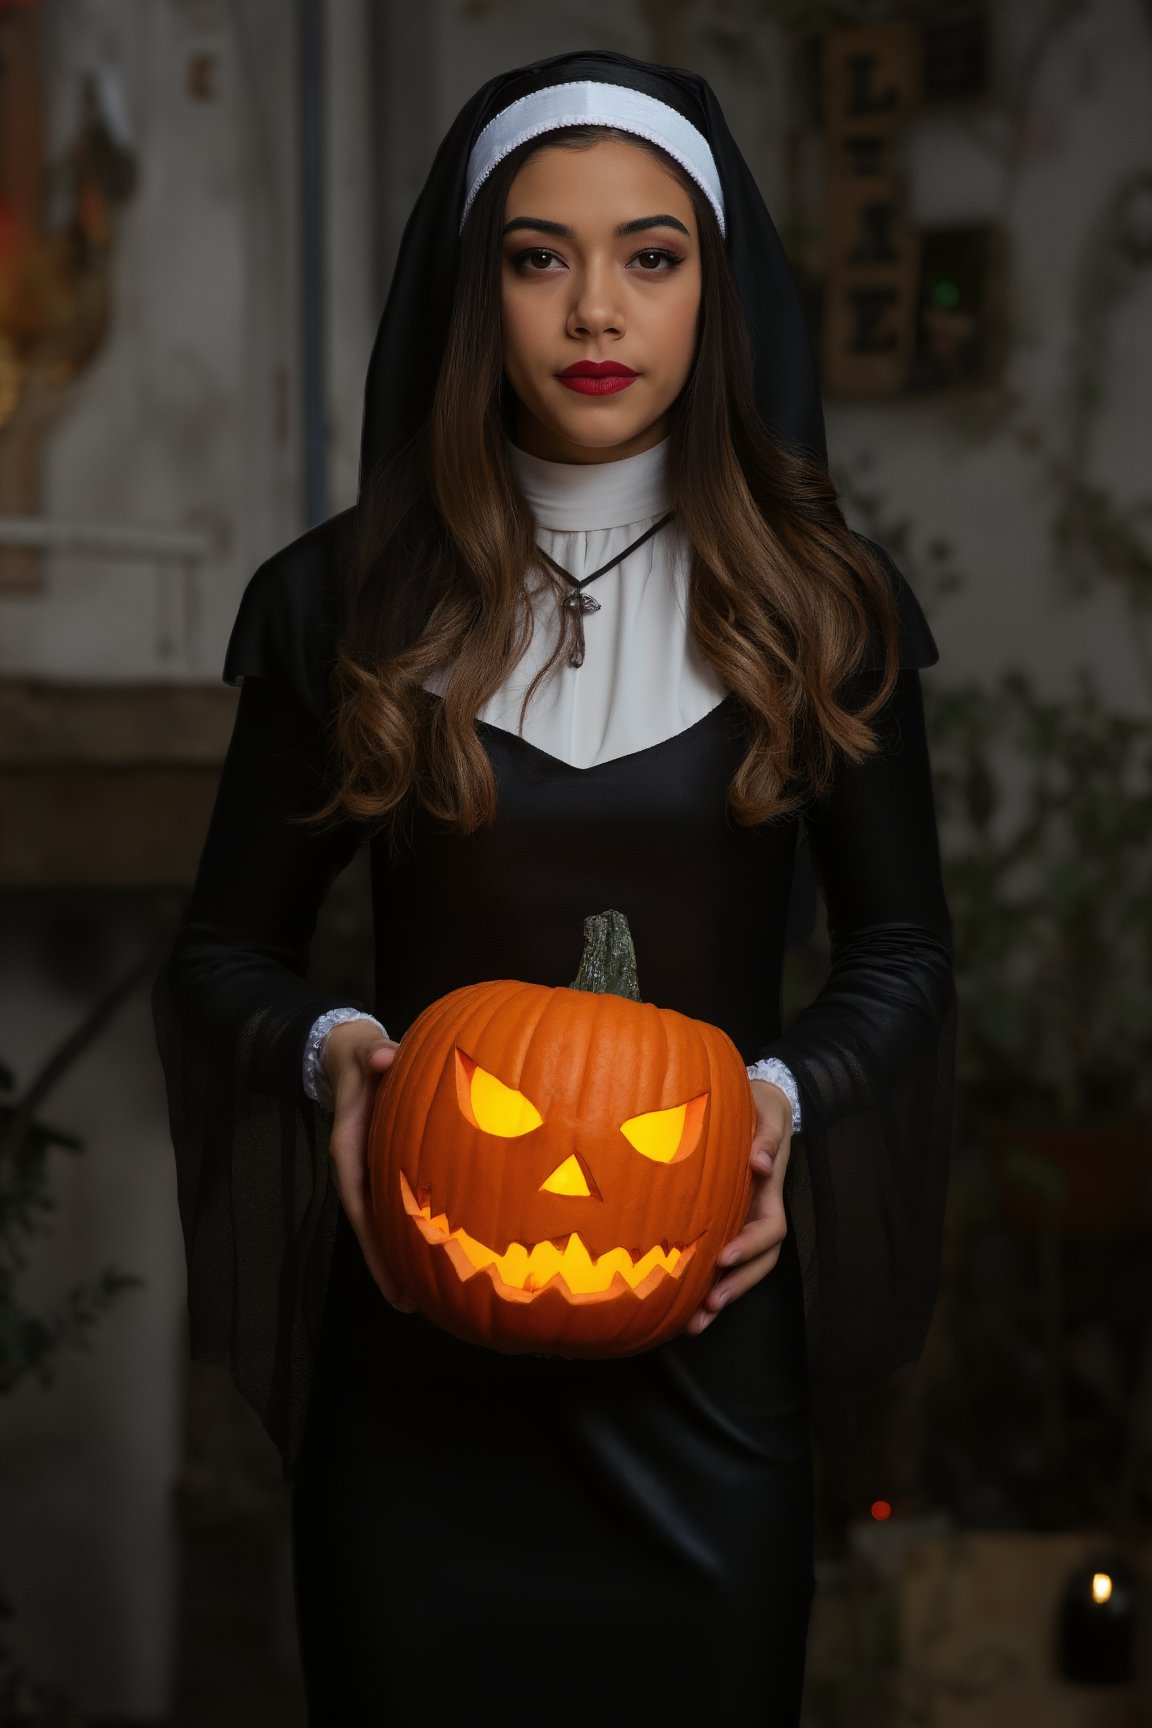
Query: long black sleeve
[(232, 1008), (247, 929), (873, 1055)]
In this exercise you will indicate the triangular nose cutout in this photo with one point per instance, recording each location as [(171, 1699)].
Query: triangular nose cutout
[(567, 1178)]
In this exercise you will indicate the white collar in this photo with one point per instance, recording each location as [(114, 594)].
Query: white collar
[(569, 495)]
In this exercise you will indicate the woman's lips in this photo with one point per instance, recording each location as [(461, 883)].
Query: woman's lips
[(589, 385), (597, 378)]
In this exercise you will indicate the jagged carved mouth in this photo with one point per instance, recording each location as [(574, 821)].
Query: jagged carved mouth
[(568, 1265)]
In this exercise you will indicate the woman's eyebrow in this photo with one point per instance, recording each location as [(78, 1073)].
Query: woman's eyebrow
[(636, 227)]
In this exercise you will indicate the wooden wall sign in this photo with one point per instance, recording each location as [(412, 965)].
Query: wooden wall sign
[(903, 307), (871, 85)]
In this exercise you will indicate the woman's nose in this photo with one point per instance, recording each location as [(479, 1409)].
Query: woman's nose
[(595, 307)]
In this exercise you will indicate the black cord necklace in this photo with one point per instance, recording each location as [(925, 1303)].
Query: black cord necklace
[(577, 601)]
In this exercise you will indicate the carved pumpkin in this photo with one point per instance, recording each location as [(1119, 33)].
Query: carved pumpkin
[(557, 1169)]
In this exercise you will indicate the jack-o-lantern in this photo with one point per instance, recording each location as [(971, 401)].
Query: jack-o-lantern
[(557, 1169)]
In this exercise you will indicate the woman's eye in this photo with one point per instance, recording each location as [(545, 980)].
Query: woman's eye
[(535, 254), (660, 255)]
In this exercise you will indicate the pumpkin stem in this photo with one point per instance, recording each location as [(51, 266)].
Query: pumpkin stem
[(608, 963)]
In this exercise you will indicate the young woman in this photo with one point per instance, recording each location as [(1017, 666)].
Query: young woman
[(595, 635)]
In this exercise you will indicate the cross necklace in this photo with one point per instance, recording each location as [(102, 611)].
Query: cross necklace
[(577, 602)]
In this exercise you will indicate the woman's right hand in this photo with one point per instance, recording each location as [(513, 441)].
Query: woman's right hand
[(355, 1056)]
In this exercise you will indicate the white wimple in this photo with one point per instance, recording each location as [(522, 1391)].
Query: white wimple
[(585, 103)]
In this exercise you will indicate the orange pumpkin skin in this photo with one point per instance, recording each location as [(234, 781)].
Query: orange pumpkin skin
[(587, 1063)]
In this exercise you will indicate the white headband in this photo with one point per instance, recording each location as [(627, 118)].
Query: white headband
[(585, 103)]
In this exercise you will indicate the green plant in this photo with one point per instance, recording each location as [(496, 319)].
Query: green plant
[(1045, 807), (1045, 810), (30, 1341)]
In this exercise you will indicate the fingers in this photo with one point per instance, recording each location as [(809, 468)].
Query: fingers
[(764, 1229), (773, 1131), (753, 1253), (728, 1289), (380, 1055), (759, 1234), (360, 1218), (749, 1257), (348, 1151)]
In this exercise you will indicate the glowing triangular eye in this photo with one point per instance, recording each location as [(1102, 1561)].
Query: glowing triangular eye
[(489, 1104), (667, 1135)]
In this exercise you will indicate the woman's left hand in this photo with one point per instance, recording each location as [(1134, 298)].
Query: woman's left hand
[(752, 1254)]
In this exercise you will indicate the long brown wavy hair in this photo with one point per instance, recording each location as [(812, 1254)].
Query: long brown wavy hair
[(781, 597)]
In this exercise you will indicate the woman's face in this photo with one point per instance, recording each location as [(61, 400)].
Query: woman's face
[(574, 288)]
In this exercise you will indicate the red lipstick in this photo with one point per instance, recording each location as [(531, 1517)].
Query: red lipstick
[(597, 377)]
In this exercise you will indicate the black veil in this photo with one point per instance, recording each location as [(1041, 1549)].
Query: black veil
[(873, 1055)]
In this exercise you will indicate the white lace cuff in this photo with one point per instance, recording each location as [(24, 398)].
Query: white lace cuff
[(315, 1078), (771, 1068)]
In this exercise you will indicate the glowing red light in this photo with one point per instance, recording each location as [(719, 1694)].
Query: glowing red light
[(881, 1509)]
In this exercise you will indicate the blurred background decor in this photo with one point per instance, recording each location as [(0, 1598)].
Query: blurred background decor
[(30, 1339), (56, 255)]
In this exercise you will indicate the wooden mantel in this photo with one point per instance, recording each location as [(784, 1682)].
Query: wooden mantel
[(107, 785)]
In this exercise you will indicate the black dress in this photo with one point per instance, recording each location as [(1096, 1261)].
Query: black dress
[(479, 1521), (552, 1540)]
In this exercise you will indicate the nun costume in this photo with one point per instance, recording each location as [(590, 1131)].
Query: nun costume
[(529, 1536)]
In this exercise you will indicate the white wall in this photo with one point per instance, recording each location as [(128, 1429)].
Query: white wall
[(350, 291), (189, 417)]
